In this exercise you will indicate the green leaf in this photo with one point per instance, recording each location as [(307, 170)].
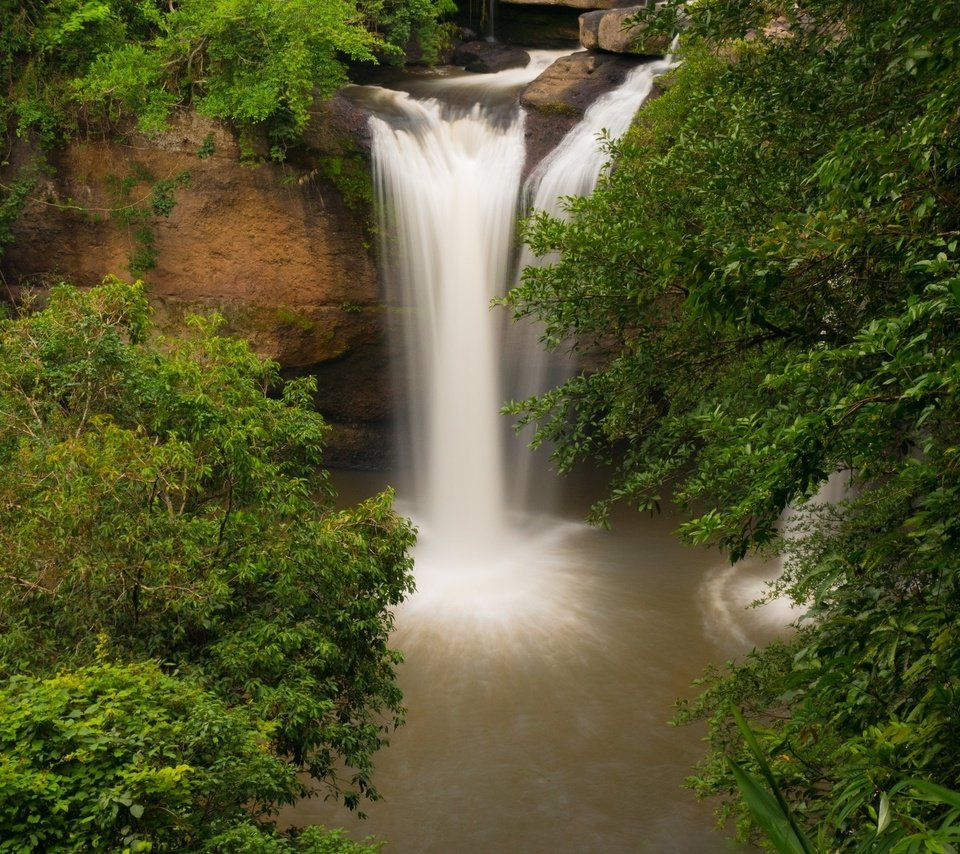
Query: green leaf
[(768, 813), (883, 818)]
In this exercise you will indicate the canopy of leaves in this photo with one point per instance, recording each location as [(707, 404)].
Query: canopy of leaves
[(156, 493), (771, 280), (126, 758), (245, 61)]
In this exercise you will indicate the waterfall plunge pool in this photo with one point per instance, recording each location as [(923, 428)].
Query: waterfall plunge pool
[(543, 657), (539, 691)]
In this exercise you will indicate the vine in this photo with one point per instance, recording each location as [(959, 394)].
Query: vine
[(136, 216)]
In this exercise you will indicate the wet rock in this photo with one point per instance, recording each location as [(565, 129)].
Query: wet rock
[(489, 57), (574, 82), (337, 125), (558, 98)]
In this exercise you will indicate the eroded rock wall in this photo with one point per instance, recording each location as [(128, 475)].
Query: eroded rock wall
[(284, 253), (275, 249)]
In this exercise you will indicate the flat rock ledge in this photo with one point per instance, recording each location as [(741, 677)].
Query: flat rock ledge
[(573, 83)]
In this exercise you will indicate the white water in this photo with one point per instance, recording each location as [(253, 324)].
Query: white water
[(448, 184), (573, 167), (451, 184), (542, 657)]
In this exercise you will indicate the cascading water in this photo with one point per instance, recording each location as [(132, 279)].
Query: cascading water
[(448, 180), (571, 169), (542, 657), (448, 183)]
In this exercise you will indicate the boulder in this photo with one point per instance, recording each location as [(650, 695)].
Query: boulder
[(605, 30), (573, 83), (489, 57), (558, 98)]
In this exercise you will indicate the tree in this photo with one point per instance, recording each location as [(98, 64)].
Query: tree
[(250, 62), (169, 496), (770, 282), (125, 757)]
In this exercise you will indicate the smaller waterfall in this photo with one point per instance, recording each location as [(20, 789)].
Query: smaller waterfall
[(571, 169), (491, 20), (575, 165)]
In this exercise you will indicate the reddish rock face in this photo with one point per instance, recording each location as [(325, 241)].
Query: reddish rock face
[(274, 249), (558, 98)]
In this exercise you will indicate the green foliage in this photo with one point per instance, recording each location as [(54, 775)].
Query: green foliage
[(136, 215), (770, 811), (770, 281), (408, 19), (123, 756), (128, 758), (169, 496), (894, 831), (207, 147), (350, 174), (12, 199), (250, 62)]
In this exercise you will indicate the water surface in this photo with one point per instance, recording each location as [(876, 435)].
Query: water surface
[(539, 692)]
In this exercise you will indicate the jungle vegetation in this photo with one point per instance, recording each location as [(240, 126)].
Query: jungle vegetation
[(191, 634), (770, 281), (69, 65), (771, 278)]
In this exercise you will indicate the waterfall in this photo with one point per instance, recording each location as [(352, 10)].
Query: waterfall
[(448, 183), (448, 180), (575, 165), (571, 169), (540, 654)]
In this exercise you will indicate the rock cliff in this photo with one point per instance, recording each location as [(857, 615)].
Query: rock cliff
[(275, 249), (283, 252)]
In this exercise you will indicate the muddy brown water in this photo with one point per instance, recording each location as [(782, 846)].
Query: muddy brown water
[(539, 698)]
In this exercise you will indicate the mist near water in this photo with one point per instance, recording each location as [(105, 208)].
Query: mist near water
[(543, 657)]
